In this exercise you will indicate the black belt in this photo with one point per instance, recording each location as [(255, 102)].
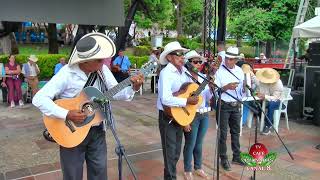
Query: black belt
[(233, 104)]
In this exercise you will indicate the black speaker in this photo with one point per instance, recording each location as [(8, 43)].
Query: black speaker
[(295, 106), (309, 84), (314, 51), (316, 97)]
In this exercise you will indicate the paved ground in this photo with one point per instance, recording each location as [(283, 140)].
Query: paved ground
[(25, 155)]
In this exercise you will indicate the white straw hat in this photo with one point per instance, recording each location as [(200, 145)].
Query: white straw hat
[(92, 46), (193, 54), (170, 47), (267, 75), (33, 58)]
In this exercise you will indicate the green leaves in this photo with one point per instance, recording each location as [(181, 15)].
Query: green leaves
[(248, 159), (268, 159), (251, 162)]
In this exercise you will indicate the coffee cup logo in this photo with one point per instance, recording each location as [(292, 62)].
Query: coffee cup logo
[(258, 156)]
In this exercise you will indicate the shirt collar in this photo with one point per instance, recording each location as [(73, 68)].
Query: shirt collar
[(77, 71), (172, 68)]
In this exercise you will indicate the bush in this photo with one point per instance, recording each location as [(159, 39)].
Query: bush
[(142, 50), (139, 61), (46, 63)]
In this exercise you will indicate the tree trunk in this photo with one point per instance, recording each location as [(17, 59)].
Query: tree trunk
[(123, 31), (179, 20), (14, 44), (5, 45), (239, 39), (268, 49), (222, 15), (52, 38)]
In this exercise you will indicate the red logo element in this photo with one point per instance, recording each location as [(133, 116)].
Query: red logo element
[(258, 151)]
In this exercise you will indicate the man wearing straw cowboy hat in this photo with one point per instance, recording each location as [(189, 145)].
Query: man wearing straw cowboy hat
[(86, 58), (270, 87), (30, 70), (230, 78), (170, 80)]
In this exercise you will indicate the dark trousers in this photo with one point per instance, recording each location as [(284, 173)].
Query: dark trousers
[(171, 139), (93, 149), (229, 115), (120, 76), (272, 106)]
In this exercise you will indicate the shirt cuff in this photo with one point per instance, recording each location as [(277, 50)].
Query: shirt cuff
[(61, 113)]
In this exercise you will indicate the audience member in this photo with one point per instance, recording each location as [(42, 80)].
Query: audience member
[(13, 81), (30, 70), (121, 66), (62, 62)]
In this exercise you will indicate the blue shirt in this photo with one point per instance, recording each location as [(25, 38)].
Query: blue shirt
[(125, 66), (57, 68)]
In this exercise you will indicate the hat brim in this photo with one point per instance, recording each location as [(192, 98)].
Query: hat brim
[(107, 49), (263, 79), (196, 56), (33, 60), (232, 57), (163, 60)]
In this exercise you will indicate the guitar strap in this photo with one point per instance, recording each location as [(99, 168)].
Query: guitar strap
[(194, 79), (92, 78)]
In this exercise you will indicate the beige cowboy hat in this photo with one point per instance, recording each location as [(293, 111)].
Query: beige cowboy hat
[(170, 47), (92, 46), (267, 75), (193, 54), (33, 58), (246, 68), (232, 52)]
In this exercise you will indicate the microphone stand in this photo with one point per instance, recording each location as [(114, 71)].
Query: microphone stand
[(252, 109), (256, 128), (120, 151)]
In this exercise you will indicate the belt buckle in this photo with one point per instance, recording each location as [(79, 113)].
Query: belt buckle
[(234, 104)]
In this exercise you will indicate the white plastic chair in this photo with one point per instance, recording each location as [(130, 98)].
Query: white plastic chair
[(277, 113)]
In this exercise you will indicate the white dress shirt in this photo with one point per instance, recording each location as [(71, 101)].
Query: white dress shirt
[(206, 95), (170, 81), (67, 84), (272, 92), (224, 77)]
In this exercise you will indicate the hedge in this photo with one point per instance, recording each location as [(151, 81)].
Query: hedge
[(142, 50), (46, 63)]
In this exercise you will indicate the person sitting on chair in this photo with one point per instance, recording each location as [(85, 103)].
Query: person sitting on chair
[(57, 67), (121, 66), (13, 81), (3, 84), (269, 87), (85, 60), (30, 70)]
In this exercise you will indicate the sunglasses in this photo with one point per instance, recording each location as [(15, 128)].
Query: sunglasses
[(179, 54), (195, 62)]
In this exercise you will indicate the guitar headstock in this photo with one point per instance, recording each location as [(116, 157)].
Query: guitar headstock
[(148, 68)]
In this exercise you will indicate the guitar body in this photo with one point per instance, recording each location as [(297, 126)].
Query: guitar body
[(184, 116), (58, 128)]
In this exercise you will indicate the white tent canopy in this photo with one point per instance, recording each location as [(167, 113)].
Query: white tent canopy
[(308, 29)]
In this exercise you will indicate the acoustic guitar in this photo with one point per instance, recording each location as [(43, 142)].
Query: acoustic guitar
[(69, 134), (185, 115)]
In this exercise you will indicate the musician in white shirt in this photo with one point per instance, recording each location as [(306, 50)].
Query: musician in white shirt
[(170, 80), (230, 78), (87, 57)]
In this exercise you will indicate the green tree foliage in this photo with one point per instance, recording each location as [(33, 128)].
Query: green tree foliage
[(192, 13), (278, 17), (158, 11)]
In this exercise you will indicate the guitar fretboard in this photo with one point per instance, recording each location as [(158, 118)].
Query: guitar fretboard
[(114, 90)]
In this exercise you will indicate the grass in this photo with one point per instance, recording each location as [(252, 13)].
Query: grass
[(38, 49)]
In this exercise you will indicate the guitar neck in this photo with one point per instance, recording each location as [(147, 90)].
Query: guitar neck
[(114, 90), (200, 88)]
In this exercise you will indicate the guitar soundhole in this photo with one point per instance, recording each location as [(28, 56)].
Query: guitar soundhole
[(88, 109)]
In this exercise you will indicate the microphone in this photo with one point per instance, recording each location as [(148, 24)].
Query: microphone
[(190, 67), (250, 89)]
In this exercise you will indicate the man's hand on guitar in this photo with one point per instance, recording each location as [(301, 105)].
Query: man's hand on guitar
[(76, 116), (193, 100), (137, 81)]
